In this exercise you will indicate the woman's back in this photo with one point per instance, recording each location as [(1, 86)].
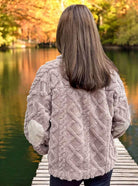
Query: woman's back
[(77, 103), (83, 123)]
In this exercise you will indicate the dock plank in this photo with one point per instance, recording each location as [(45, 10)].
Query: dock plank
[(125, 172)]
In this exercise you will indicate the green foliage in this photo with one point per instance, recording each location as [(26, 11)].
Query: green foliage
[(7, 29), (127, 33), (117, 22), (108, 28)]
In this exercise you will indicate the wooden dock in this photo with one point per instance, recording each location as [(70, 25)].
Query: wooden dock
[(125, 172)]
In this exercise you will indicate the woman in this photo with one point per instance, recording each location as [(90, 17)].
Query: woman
[(77, 105)]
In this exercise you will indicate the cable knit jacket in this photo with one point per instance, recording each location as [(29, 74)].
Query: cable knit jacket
[(74, 127)]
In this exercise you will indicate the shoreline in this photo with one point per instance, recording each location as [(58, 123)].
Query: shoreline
[(120, 47), (40, 46)]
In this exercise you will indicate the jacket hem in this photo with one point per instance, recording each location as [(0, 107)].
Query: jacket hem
[(80, 175)]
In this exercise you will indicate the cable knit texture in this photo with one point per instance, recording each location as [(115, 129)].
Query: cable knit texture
[(79, 126)]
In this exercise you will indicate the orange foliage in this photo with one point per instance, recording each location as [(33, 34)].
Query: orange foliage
[(37, 19)]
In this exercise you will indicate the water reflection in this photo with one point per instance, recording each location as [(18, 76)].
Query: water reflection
[(18, 161), (126, 61)]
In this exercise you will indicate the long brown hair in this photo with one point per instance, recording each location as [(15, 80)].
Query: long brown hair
[(78, 40)]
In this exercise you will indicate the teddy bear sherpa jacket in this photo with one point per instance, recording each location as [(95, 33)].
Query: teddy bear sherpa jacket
[(76, 128)]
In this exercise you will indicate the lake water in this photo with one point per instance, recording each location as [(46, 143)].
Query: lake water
[(18, 161)]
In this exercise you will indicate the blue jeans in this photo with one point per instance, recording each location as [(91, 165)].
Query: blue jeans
[(97, 181)]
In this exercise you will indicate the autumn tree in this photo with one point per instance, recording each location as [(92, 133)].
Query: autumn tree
[(8, 26), (113, 17), (127, 33), (36, 20)]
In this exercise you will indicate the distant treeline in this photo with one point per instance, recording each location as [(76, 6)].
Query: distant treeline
[(36, 20)]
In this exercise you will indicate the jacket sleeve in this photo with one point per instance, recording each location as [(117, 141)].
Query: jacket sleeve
[(122, 117), (37, 115)]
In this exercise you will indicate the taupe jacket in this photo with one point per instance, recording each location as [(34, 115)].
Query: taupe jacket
[(75, 127)]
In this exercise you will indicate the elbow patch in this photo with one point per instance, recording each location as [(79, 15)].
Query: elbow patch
[(35, 133)]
